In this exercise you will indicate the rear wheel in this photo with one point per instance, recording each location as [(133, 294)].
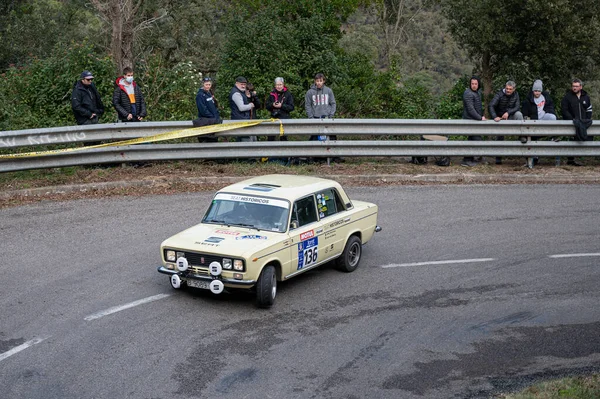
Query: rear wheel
[(266, 287), (350, 258)]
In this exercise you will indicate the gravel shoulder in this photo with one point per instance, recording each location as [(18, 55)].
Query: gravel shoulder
[(19, 188)]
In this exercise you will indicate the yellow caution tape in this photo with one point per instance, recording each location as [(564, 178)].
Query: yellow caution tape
[(177, 134)]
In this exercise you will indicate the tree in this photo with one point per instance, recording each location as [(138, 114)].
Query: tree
[(127, 19), (555, 39)]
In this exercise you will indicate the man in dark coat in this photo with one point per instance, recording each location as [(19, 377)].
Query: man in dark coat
[(576, 105), (472, 109), (208, 112), (128, 99), (85, 100), (505, 106)]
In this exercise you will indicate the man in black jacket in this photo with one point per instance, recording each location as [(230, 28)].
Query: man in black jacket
[(128, 99), (85, 100), (505, 106), (576, 105), (472, 109)]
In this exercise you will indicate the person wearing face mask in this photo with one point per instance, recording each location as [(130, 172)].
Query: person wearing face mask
[(128, 99)]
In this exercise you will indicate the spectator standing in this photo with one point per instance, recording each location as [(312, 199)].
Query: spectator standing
[(472, 109), (280, 103), (128, 99), (320, 102), (85, 100), (253, 99), (240, 104), (208, 111), (505, 106), (576, 106)]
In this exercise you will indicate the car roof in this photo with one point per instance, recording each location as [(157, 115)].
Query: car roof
[(289, 187)]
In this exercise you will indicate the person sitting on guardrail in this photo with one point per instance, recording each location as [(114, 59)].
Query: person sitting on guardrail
[(538, 105), (128, 99), (472, 109), (576, 105), (505, 106), (208, 111)]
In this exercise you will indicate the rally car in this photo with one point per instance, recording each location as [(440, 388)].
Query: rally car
[(269, 229)]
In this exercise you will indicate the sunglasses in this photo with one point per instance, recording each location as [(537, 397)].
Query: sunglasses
[(89, 79)]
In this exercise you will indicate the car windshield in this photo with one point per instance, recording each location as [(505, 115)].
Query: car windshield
[(248, 211)]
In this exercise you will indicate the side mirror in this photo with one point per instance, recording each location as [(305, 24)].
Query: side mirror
[(293, 224)]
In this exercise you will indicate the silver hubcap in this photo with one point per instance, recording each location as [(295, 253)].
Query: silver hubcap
[(274, 287), (354, 254)]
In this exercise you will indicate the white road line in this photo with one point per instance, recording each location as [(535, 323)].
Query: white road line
[(572, 255), (21, 347), (116, 309), (438, 262)]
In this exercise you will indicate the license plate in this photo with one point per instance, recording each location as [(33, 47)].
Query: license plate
[(205, 285)]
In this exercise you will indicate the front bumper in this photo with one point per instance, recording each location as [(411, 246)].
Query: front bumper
[(229, 282)]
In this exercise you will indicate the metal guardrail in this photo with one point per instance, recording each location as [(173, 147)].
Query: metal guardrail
[(342, 148)]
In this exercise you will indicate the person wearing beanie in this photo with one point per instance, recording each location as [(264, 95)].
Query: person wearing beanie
[(538, 104), (472, 109)]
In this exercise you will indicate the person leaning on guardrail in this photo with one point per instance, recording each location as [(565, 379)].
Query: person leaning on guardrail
[(240, 104), (576, 106), (505, 106), (472, 109), (208, 111), (128, 99), (86, 101), (319, 103)]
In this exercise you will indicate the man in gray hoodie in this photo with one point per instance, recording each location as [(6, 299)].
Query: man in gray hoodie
[(320, 102)]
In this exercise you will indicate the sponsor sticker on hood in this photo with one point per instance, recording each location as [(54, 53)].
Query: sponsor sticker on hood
[(251, 237)]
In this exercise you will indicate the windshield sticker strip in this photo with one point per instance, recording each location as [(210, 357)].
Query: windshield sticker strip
[(254, 200)]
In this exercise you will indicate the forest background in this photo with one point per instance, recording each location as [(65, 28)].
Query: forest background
[(382, 58)]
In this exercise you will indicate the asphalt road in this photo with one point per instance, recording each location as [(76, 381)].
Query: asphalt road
[(468, 291)]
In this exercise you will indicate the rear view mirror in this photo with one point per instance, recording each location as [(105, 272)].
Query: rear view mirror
[(294, 224)]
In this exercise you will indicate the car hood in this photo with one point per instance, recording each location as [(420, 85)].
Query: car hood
[(220, 239)]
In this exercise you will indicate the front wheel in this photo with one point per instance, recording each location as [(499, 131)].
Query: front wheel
[(350, 258), (266, 287)]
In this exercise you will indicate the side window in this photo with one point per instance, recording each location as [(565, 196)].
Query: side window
[(305, 211), (329, 203)]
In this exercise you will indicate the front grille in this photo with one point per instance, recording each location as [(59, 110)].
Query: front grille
[(197, 261)]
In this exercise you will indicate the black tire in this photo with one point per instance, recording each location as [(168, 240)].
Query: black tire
[(350, 258), (266, 287)]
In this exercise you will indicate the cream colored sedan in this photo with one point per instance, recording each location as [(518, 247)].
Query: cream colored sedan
[(269, 229)]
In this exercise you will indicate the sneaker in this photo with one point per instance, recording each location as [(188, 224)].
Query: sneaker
[(498, 160), (468, 163), (574, 163)]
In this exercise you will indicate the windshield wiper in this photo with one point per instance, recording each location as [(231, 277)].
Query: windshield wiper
[(246, 225), (218, 221)]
